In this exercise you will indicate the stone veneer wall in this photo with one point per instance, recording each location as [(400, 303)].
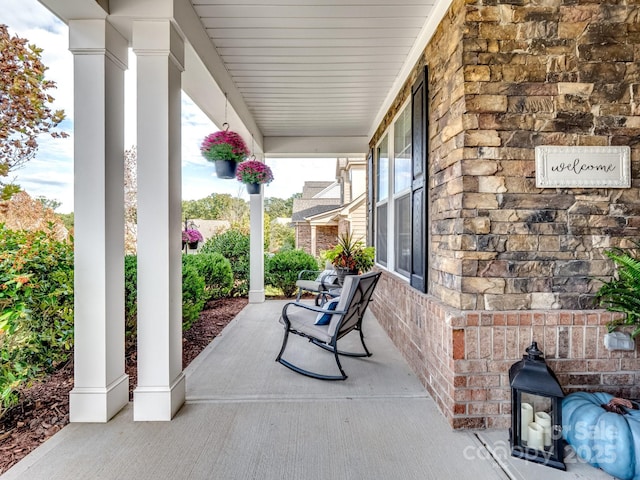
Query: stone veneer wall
[(508, 262)]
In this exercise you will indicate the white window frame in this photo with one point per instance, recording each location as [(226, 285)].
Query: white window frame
[(392, 196)]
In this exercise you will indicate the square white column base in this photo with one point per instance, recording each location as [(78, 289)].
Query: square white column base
[(256, 296), (159, 404), (98, 405)]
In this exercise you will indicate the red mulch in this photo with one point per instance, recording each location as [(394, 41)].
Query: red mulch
[(44, 406)]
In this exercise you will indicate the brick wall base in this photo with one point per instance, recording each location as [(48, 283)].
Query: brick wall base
[(463, 357)]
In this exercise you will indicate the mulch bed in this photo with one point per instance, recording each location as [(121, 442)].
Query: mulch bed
[(44, 406)]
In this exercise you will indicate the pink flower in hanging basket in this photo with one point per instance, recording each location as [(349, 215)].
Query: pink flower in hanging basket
[(253, 171), (191, 235), (224, 145)]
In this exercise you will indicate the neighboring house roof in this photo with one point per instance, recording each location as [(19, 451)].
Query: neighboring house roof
[(303, 215), (330, 216)]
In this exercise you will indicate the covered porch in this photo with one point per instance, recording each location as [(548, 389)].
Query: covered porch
[(248, 417), (294, 79)]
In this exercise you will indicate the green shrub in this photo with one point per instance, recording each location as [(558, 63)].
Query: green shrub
[(130, 295), (283, 267), (193, 295), (216, 270), (36, 307), (235, 247)]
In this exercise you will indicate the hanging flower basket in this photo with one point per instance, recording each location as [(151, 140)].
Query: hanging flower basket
[(224, 146), (226, 168), (191, 237), (254, 174)]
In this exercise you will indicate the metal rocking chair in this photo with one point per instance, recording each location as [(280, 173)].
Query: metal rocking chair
[(300, 319)]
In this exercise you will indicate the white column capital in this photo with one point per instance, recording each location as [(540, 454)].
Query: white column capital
[(158, 38), (98, 37)]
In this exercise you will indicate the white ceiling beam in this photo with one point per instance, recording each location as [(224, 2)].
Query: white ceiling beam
[(318, 147), (67, 10)]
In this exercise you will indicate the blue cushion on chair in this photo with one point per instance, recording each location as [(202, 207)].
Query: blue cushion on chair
[(325, 318)]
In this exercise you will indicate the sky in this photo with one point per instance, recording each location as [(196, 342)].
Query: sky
[(50, 173)]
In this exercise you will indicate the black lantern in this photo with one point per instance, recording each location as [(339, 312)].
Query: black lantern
[(536, 411)]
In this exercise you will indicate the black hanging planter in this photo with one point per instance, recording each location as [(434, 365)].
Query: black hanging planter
[(254, 188), (193, 245), (226, 168)]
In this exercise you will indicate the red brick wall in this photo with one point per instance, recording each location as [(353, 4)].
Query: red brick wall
[(463, 357), (303, 237), (326, 238)]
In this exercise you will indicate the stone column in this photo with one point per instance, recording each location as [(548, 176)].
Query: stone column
[(160, 59), (101, 387), (256, 258)]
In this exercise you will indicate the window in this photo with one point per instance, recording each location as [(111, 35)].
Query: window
[(399, 204), (382, 195), (393, 211), (402, 151)]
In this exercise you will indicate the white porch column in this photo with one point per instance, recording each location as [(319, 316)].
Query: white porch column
[(256, 245), (314, 240), (101, 387), (160, 59)]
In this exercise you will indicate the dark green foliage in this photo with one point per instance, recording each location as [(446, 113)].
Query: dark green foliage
[(130, 294), (36, 307), (193, 295), (622, 293), (282, 269), (234, 246), (216, 271)]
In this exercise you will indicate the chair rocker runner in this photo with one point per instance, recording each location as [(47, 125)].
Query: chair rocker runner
[(302, 319)]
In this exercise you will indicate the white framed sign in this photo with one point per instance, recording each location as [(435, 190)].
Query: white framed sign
[(587, 167)]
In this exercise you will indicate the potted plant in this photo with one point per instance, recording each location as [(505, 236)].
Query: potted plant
[(350, 256), (191, 236), (254, 174), (225, 149), (622, 293)]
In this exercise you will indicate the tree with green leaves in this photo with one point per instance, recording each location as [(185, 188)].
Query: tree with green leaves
[(217, 206), (25, 105), (278, 207)]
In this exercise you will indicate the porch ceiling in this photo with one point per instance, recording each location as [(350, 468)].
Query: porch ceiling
[(316, 68), (300, 77)]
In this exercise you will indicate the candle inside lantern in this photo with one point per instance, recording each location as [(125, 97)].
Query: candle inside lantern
[(526, 417), (544, 420), (535, 436)]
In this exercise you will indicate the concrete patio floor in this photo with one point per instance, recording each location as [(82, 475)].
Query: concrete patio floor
[(248, 417)]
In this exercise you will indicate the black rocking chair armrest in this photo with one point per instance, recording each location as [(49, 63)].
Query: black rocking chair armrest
[(312, 308)]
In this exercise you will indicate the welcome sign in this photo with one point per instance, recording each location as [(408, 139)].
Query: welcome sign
[(587, 167)]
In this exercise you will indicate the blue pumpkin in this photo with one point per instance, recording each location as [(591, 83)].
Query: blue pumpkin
[(604, 439)]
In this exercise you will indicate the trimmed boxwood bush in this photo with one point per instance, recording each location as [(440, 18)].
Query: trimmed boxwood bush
[(235, 247), (216, 270), (283, 267), (193, 295), (130, 294)]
